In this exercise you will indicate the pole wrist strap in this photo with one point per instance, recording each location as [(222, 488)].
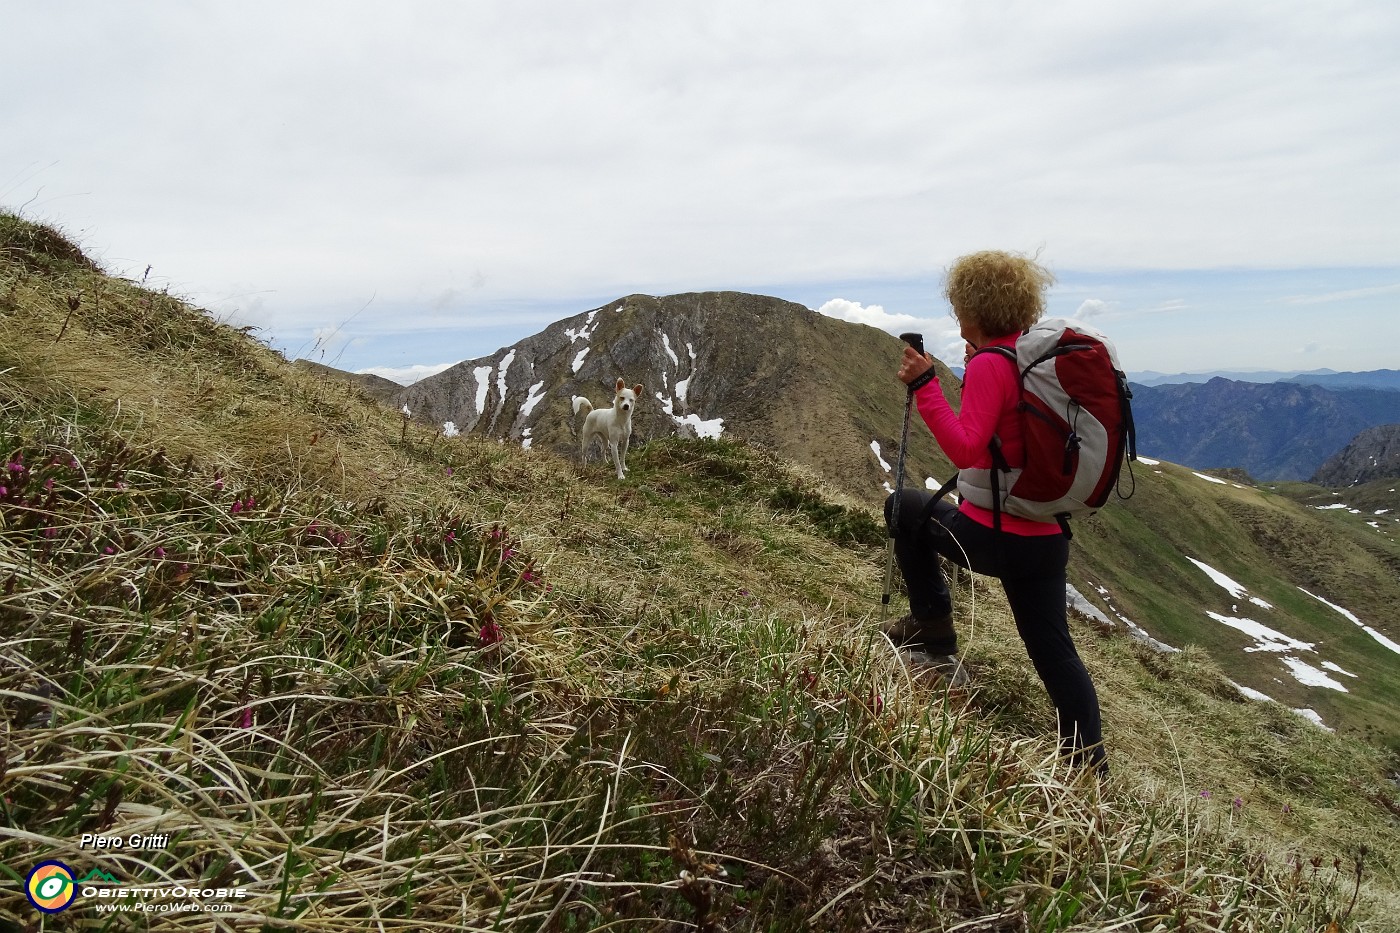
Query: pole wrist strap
[(924, 379)]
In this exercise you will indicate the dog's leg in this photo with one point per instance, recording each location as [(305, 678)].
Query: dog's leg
[(617, 461), (622, 464)]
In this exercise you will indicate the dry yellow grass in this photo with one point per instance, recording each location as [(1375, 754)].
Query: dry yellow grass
[(684, 718)]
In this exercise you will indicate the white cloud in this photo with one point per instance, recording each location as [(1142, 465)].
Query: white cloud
[(1348, 295), (455, 163), (1091, 308), (941, 336), (874, 315), (405, 375)]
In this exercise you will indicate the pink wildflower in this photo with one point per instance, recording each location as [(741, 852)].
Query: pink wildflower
[(235, 508), (4, 491), (159, 553), (490, 634), (247, 720), (1205, 795)]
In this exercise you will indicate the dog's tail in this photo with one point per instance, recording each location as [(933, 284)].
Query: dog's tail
[(582, 404)]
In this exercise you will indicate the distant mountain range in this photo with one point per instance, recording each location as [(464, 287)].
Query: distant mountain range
[(1374, 379), (1273, 431)]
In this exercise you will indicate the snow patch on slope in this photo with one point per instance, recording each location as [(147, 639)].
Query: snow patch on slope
[(1235, 589), (1265, 638), (875, 446), (712, 427), (536, 393), (1378, 636), (483, 385)]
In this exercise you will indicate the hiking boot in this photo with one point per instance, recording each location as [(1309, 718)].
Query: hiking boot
[(933, 668), (903, 631), (910, 632)]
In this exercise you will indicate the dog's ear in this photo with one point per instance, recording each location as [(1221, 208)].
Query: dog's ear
[(637, 388), (620, 384)]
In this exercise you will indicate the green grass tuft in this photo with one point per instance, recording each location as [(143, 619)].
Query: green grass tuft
[(383, 679)]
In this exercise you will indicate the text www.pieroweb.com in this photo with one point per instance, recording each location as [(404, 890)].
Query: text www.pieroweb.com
[(149, 907)]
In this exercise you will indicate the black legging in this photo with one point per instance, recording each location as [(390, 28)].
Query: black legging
[(1032, 571)]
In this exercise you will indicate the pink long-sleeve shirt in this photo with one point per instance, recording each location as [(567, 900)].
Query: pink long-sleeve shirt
[(991, 391)]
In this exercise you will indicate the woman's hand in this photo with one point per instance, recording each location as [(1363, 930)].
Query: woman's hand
[(913, 365)]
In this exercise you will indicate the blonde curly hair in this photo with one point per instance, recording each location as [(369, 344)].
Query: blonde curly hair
[(1000, 293)]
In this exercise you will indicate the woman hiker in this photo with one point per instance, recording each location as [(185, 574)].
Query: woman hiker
[(995, 296)]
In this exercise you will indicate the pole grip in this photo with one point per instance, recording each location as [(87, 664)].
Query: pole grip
[(914, 340)]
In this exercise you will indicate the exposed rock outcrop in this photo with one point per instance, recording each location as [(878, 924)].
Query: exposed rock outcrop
[(1372, 455)]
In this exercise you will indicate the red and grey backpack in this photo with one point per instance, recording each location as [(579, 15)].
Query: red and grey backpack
[(1076, 421)]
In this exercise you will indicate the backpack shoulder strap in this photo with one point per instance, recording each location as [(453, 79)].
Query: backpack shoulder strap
[(1007, 352)]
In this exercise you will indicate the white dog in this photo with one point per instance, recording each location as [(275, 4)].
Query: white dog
[(612, 426)]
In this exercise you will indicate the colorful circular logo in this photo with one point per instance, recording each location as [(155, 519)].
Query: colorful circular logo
[(50, 887)]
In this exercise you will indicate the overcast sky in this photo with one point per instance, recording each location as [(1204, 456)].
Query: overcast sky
[(1217, 185)]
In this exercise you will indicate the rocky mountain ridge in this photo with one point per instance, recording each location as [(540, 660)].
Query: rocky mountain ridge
[(376, 387), (812, 388), (1372, 455)]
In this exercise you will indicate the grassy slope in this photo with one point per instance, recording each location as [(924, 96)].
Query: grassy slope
[(1137, 552), (516, 696)]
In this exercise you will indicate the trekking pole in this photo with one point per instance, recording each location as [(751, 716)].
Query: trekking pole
[(917, 342)]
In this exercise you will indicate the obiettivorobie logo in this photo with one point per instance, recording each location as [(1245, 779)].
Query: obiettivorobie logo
[(51, 887), (98, 876)]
